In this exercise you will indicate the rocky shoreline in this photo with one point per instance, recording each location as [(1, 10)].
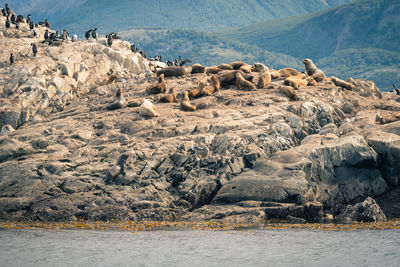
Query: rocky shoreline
[(241, 157)]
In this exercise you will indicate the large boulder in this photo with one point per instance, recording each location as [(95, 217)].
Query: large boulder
[(366, 211)]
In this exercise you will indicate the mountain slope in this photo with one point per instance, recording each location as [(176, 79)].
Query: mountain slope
[(173, 14), (363, 24)]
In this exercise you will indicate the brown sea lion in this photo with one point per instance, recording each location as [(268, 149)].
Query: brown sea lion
[(296, 81), (313, 71), (170, 97), (160, 87), (198, 68), (265, 79), (289, 92), (243, 84), (246, 68), (341, 83), (185, 102), (237, 65), (225, 67), (284, 73), (212, 70), (198, 91), (174, 71), (259, 67), (213, 88)]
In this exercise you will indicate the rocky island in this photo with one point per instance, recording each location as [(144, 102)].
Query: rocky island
[(329, 152)]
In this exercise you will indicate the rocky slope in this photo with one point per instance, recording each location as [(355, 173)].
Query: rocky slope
[(243, 156)]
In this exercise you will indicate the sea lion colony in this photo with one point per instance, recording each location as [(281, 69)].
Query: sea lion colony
[(234, 75)]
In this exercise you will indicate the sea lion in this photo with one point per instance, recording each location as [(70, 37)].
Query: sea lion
[(117, 169), (198, 68), (212, 70), (6, 129), (225, 67), (237, 65), (289, 92), (284, 73), (213, 88), (198, 91), (12, 59), (174, 71), (160, 87), (341, 83), (243, 84), (34, 49), (147, 109), (185, 102), (259, 67), (170, 97), (119, 101), (264, 80), (312, 70), (246, 68), (296, 81)]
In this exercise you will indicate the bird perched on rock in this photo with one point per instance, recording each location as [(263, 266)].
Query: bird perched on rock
[(87, 34), (117, 169), (94, 34), (11, 59), (396, 89), (109, 40), (8, 24), (34, 49), (47, 23)]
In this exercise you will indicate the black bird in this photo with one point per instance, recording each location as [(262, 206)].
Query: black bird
[(134, 48), (31, 25), (109, 40), (17, 25), (34, 49), (11, 59), (3, 12), (13, 18), (47, 23), (8, 24), (8, 10), (94, 34), (28, 19), (46, 35), (395, 89), (87, 34), (34, 33)]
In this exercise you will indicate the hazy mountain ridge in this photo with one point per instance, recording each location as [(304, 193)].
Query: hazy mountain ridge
[(207, 15)]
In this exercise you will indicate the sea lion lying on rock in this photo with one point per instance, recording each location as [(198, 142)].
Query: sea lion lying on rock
[(197, 68), (313, 71), (160, 87), (237, 65), (212, 70), (225, 67), (264, 80), (284, 73), (147, 109), (341, 83), (289, 92), (174, 71), (170, 97), (259, 67), (243, 84)]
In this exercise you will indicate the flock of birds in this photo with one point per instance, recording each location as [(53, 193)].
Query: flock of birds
[(55, 39)]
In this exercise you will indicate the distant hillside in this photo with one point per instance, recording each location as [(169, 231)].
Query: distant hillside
[(204, 48), (360, 39), (41, 8), (207, 15)]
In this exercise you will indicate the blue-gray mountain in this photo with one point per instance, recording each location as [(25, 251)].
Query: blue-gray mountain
[(78, 15)]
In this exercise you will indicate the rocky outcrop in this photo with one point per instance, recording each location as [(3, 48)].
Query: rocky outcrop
[(240, 157), (366, 211)]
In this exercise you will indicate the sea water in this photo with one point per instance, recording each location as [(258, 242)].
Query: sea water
[(290, 247)]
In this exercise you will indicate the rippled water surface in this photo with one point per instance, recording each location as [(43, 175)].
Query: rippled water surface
[(294, 247)]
